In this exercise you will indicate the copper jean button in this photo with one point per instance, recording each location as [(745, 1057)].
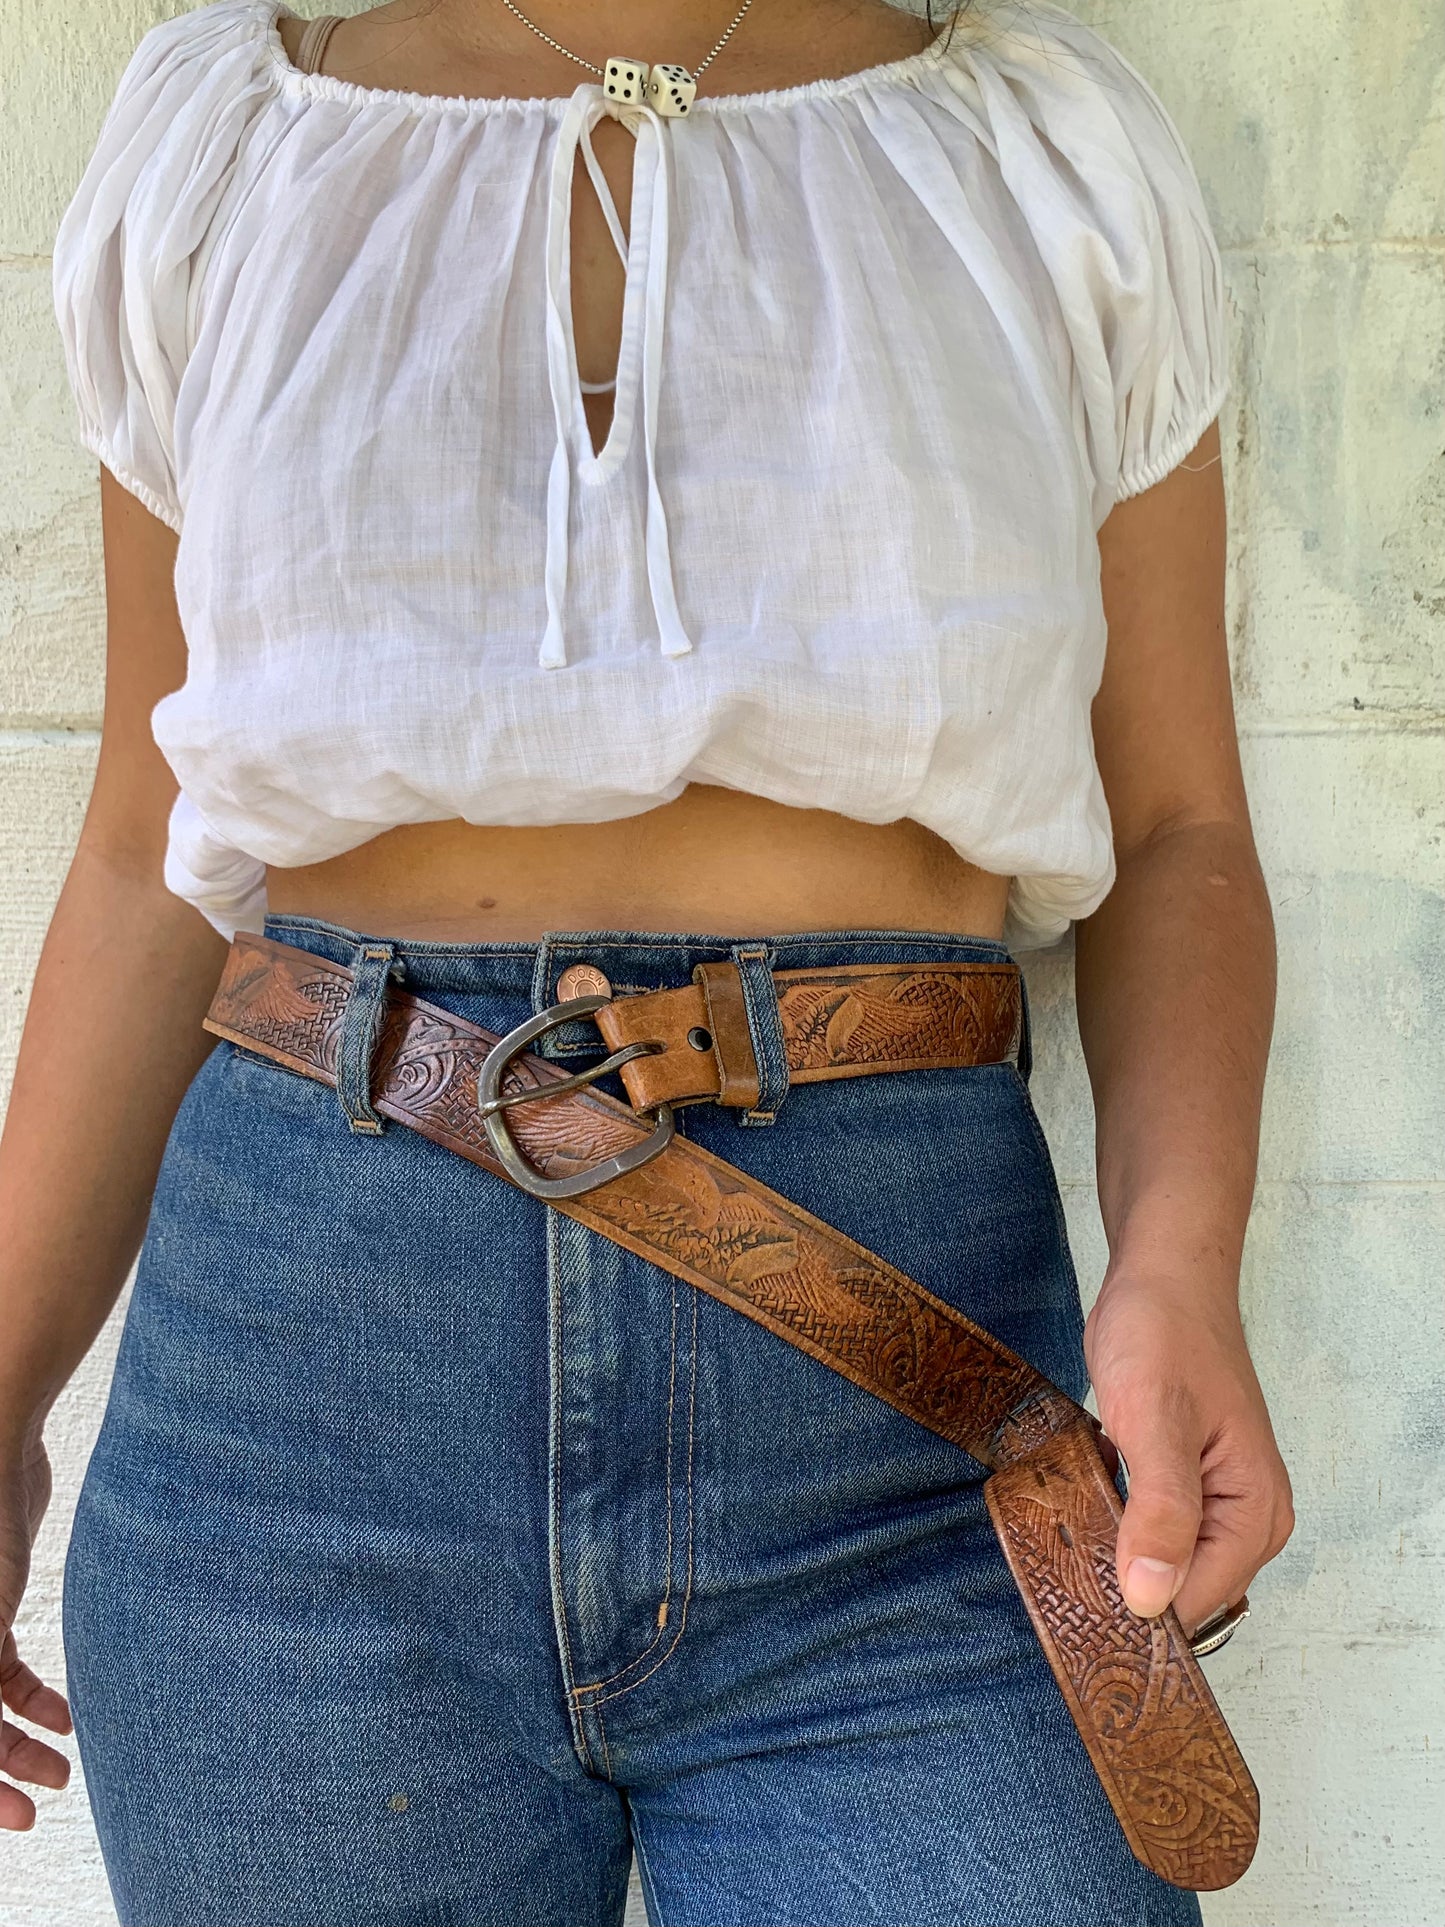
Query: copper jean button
[(582, 980)]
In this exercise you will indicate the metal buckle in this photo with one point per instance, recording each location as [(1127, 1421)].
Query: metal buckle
[(1215, 1631), (491, 1104)]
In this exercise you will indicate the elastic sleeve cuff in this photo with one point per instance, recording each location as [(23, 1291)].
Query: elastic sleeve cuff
[(1181, 439), (92, 439)]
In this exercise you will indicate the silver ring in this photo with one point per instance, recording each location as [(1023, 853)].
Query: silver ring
[(1219, 1628)]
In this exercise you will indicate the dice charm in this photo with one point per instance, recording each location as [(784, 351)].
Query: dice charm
[(670, 89), (625, 80)]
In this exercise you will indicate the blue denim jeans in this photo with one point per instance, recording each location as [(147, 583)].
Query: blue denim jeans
[(436, 1555)]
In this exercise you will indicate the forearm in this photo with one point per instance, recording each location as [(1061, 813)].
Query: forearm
[(1175, 978), (112, 1039)]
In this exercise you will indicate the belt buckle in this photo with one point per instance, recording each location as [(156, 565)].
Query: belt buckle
[(491, 1105)]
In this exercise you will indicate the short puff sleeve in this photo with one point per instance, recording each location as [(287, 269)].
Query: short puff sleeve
[(124, 251), (1114, 205)]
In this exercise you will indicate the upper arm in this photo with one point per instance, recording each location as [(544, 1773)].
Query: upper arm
[(1163, 718), (121, 284), (145, 659), (1124, 232)]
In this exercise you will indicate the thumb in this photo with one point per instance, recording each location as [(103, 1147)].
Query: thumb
[(1162, 1513)]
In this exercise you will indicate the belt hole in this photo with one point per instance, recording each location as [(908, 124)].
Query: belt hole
[(700, 1038)]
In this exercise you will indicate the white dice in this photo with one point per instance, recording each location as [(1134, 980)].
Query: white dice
[(670, 89), (625, 80)]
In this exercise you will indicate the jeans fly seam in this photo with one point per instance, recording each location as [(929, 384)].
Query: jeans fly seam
[(663, 1658), (559, 1601), (637, 1658)]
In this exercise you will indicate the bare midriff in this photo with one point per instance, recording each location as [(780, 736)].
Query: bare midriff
[(713, 861)]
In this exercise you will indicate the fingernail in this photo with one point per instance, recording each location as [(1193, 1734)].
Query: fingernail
[(1149, 1585)]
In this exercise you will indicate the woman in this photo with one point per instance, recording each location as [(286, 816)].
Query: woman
[(514, 601)]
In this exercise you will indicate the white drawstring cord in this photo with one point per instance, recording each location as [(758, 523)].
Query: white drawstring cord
[(553, 652), (583, 110), (674, 637)]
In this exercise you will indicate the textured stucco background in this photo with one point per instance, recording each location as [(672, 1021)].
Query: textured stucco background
[(1318, 129)]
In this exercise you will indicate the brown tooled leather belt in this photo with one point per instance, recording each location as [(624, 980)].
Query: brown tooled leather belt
[(1158, 1741)]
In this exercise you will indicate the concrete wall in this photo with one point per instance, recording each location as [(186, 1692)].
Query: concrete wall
[(1317, 130)]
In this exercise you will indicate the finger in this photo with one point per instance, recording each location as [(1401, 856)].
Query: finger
[(1234, 1542), (25, 1693), (1108, 1451), (24, 1757), (1162, 1515), (17, 1809)]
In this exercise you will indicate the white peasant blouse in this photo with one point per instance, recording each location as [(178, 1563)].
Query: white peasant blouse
[(892, 346)]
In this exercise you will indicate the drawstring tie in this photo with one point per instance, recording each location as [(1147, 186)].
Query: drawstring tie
[(583, 110)]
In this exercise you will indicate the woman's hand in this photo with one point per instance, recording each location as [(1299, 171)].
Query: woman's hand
[(24, 1495), (1209, 1497)]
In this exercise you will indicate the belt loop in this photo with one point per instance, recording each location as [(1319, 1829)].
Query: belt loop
[(754, 963), (373, 965), (1026, 1033)]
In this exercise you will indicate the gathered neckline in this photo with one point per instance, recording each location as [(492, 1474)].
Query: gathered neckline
[(266, 13)]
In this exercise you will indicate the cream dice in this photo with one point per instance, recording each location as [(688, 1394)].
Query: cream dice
[(670, 89), (625, 80)]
